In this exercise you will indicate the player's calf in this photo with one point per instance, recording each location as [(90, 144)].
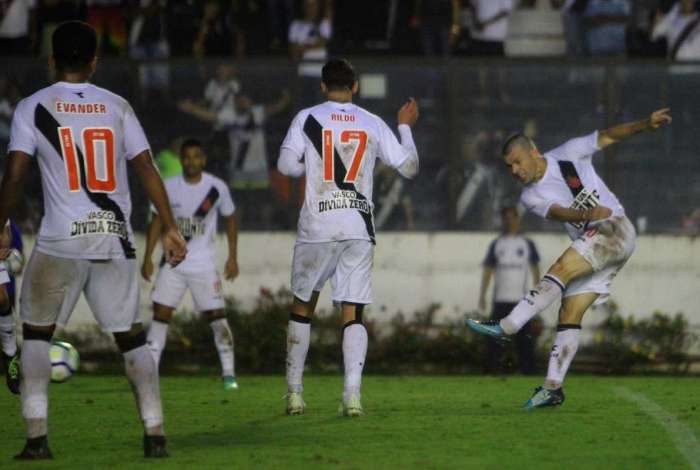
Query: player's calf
[(354, 354)]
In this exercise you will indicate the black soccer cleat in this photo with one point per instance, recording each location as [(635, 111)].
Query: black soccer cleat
[(12, 372), (543, 398), (154, 447), (36, 448)]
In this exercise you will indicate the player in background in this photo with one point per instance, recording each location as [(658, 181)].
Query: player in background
[(336, 144), (83, 137), (562, 185), (8, 337), (197, 198)]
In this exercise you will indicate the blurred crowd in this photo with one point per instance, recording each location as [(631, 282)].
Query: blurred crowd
[(184, 65), (307, 29)]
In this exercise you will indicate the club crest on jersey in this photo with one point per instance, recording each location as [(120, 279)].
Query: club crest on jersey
[(573, 182)]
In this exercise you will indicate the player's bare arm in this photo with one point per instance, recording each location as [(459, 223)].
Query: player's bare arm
[(174, 246), (12, 183), (567, 214), (408, 115), (623, 131), (231, 268), (486, 276), (153, 232)]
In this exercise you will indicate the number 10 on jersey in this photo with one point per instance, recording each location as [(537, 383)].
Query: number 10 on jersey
[(328, 154), (97, 141)]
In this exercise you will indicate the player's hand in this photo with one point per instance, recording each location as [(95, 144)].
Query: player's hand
[(147, 269), (659, 118), (408, 113), (598, 213), (231, 269), (174, 246)]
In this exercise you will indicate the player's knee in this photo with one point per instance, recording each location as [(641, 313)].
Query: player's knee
[(37, 333), (132, 339), (213, 315), (352, 314), (569, 315), (4, 302)]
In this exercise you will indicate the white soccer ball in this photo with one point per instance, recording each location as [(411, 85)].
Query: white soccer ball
[(64, 361), (14, 262)]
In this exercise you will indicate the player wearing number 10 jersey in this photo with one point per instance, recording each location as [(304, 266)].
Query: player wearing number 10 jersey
[(336, 144), (83, 136)]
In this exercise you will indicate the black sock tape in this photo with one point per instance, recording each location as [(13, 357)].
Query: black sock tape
[(128, 342), (568, 326), (30, 333), (299, 318)]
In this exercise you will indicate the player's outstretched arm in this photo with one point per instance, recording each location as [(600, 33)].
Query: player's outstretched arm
[(231, 268), (567, 214), (623, 131), (10, 190), (174, 246), (155, 228), (403, 156)]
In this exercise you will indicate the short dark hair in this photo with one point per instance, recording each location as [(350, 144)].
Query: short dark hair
[(190, 142), (516, 140), (338, 74), (74, 45)]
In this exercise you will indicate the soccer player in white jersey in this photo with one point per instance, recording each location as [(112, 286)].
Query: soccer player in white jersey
[(83, 137), (335, 144), (197, 199), (562, 185)]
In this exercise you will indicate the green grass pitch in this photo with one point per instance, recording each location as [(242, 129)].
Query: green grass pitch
[(411, 422)]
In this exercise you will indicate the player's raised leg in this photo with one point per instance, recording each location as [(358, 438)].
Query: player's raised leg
[(354, 354), (158, 331), (223, 340), (570, 265), (298, 339), (564, 349)]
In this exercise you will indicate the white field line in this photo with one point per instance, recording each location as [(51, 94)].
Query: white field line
[(681, 435)]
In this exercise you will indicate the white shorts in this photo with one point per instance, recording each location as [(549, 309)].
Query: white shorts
[(51, 287), (348, 265), (607, 247), (204, 285)]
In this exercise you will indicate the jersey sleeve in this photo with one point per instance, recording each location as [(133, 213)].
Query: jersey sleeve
[(490, 260), (576, 149), (226, 205), (534, 254), (395, 153), (22, 135), (294, 140), (135, 140), (536, 203)]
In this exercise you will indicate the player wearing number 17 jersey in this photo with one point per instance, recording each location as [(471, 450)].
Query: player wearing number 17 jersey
[(83, 137), (336, 145)]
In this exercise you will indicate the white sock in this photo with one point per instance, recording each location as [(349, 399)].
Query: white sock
[(223, 339), (35, 368), (298, 339), (354, 353), (157, 336), (8, 338), (542, 296), (563, 352), (142, 372)]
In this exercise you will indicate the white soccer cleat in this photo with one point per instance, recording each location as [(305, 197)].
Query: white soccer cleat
[(352, 407), (295, 404)]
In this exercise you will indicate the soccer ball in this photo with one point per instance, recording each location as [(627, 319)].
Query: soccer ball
[(64, 361), (14, 262)]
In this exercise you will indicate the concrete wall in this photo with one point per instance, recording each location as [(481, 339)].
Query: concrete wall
[(412, 270)]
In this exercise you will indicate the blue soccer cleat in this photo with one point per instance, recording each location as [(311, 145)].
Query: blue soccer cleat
[(489, 328), (543, 398)]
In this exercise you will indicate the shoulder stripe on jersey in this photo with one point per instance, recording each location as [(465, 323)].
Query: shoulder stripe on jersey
[(206, 205), (314, 130), (48, 126)]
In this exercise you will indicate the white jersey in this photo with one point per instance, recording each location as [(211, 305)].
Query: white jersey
[(571, 181), (196, 208), (511, 257), (339, 144), (83, 136)]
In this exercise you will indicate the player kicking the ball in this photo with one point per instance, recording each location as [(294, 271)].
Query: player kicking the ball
[(197, 198), (336, 144), (562, 185), (83, 137)]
